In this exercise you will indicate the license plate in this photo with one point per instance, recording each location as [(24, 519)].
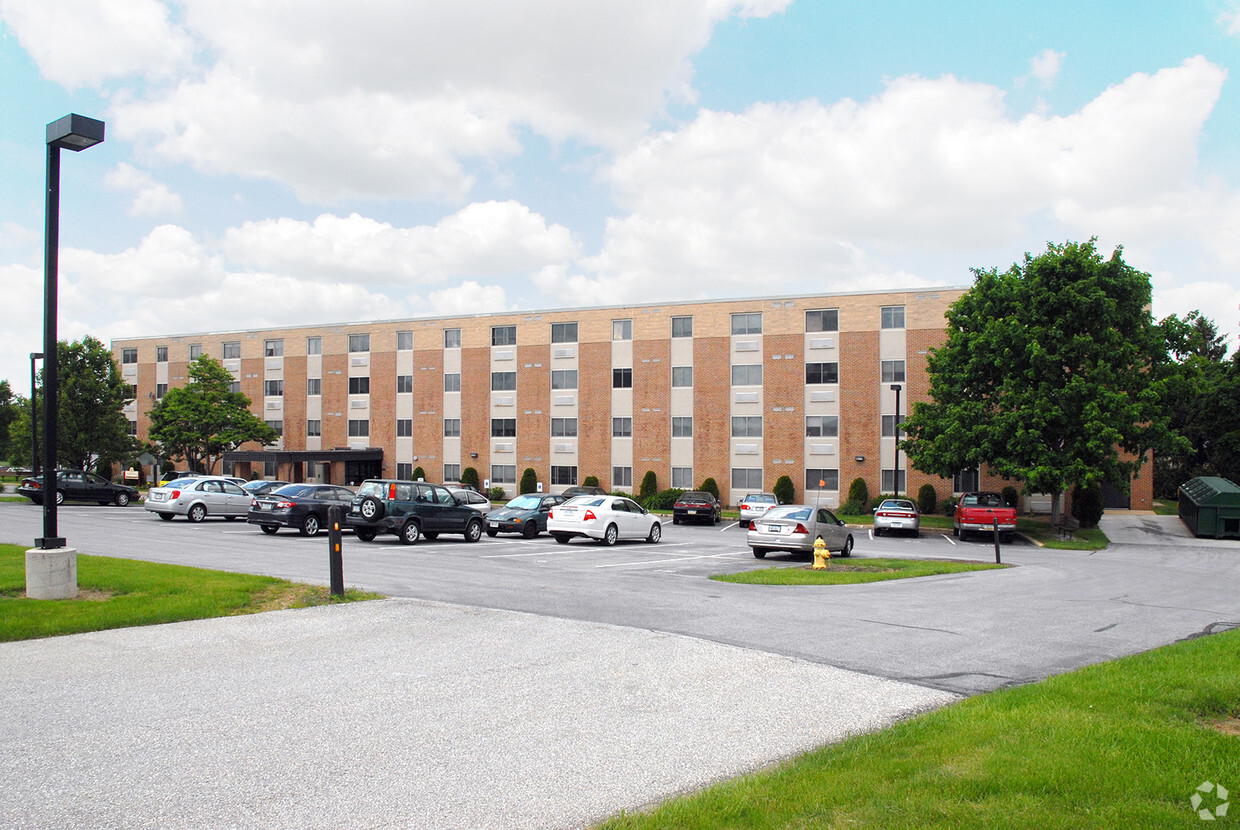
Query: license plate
[(897, 524), (771, 528), (692, 512), (493, 524), (157, 497)]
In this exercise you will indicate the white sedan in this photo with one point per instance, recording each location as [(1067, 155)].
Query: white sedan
[(604, 519), (197, 498)]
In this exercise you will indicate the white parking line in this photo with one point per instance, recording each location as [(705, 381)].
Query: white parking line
[(666, 561)]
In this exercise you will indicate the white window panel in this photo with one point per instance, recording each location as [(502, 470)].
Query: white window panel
[(359, 360), (232, 365), (824, 395), (569, 352), (745, 449), (507, 400), (503, 447), (358, 404), (564, 448), (822, 343), (506, 354), (565, 400), (746, 397), (822, 449), (747, 345)]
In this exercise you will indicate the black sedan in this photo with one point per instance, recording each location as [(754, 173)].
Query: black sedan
[(78, 485), (303, 506), (526, 515), (697, 506)]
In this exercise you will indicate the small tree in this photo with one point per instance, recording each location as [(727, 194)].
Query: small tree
[(590, 481), (709, 486), (419, 474), (1087, 504), (529, 481), (650, 486), (859, 492), (469, 477), (785, 492), (927, 498)]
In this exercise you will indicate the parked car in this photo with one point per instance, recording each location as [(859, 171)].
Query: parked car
[(411, 509), (197, 498), (605, 519), (754, 505), (472, 497), (258, 486), (237, 480), (795, 527), (897, 514), (303, 506), (977, 513), (526, 515), (582, 490), (697, 506), (79, 485)]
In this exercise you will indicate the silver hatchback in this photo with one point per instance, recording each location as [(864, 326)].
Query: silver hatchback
[(795, 527)]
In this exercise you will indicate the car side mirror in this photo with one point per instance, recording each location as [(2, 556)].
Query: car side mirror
[(460, 500)]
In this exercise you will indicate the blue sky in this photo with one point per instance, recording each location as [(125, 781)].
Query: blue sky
[(360, 161)]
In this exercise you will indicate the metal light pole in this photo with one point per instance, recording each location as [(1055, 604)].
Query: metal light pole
[(73, 132), (34, 417), (895, 473)]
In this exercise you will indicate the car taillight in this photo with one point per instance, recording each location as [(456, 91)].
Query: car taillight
[(551, 515), (285, 505), (253, 503), (392, 492), (800, 528), (590, 517), (176, 494)]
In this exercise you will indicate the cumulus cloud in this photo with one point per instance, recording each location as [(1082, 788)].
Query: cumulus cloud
[(1044, 68), (151, 198)]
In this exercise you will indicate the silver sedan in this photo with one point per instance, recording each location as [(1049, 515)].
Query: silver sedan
[(795, 527), (897, 514), (197, 498)]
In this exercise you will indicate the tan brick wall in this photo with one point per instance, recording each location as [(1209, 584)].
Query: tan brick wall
[(428, 410), (860, 424), (712, 418), (783, 432), (533, 408), (652, 423), (594, 406), (476, 402)]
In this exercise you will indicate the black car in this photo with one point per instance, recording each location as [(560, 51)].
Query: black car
[(303, 506), (78, 485), (526, 515), (410, 509), (582, 490), (697, 506)]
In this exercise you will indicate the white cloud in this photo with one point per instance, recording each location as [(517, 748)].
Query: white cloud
[(151, 198), (1044, 67)]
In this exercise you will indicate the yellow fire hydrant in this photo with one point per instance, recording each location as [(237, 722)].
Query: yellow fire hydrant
[(821, 555)]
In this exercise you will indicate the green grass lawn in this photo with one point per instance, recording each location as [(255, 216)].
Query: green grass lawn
[(853, 570), (1118, 745), (1166, 507), (116, 593)]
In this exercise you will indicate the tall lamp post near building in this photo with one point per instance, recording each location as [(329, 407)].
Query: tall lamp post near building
[(895, 431), (73, 132), (34, 416)]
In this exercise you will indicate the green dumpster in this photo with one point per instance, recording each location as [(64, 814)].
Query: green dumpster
[(1210, 506)]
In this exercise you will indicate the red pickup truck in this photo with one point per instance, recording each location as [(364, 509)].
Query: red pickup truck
[(976, 513)]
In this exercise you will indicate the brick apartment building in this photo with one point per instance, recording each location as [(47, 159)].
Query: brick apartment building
[(741, 391)]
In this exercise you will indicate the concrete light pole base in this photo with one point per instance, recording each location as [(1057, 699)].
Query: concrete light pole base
[(51, 573)]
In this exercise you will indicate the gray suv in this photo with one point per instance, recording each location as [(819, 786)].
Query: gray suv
[(410, 509)]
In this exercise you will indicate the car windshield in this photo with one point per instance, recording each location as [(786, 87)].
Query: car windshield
[(794, 512), (525, 502), (180, 482), (896, 505), (298, 490), (693, 497)]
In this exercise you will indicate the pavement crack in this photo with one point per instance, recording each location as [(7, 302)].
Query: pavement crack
[(916, 627)]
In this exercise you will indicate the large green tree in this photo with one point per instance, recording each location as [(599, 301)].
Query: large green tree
[(10, 412), (204, 419), (1050, 370), (92, 430)]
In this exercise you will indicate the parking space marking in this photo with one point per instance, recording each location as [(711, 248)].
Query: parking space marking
[(667, 561)]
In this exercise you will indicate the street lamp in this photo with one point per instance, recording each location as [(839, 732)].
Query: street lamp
[(895, 431), (34, 417), (76, 133)]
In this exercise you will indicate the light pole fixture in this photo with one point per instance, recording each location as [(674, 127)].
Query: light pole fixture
[(76, 133), (34, 417), (895, 431)]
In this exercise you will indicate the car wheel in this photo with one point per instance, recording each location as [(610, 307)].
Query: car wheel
[(371, 508), (103, 503), (610, 535), (473, 530), (197, 513), (270, 530), (492, 532), (656, 533), (60, 497), (530, 530), (675, 520), (167, 517), (848, 545), (878, 531), (955, 530), (742, 523), (759, 553), (310, 525), (562, 538), (409, 533), (366, 534)]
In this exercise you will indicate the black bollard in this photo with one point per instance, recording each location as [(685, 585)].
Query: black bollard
[(335, 515), (997, 562)]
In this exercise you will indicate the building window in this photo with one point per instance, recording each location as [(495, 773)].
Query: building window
[(827, 319), (452, 472), (822, 479), (270, 468), (682, 478), (278, 426), (563, 332), (503, 381), (621, 378), (404, 341), (232, 350), (195, 351), (563, 378), (451, 427), (893, 316), (893, 371), (622, 477), (314, 345), (747, 374), (314, 429), (822, 373), (404, 470), (314, 386), (747, 426), (271, 348), (503, 427), (452, 382), (235, 387), (161, 354), (503, 335), (563, 475), (129, 355), (133, 428), (359, 428), (503, 473), (682, 327), (886, 479), (133, 391), (452, 338), (273, 388), (161, 389), (746, 478), (822, 426), (748, 323), (404, 427), (563, 427), (889, 427), (621, 329), (404, 383), (359, 342), (682, 376), (621, 427), (359, 385), (966, 481), (682, 426)]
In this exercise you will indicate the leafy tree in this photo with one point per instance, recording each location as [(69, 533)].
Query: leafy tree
[(529, 481), (709, 486), (203, 419), (859, 492), (11, 409), (650, 486), (1050, 369), (469, 477), (785, 491), (927, 498), (419, 474), (590, 481)]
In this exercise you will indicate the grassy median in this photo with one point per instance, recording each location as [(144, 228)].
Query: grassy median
[(853, 570), (116, 593)]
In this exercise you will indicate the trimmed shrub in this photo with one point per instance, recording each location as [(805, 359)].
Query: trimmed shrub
[(858, 492), (469, 477), (709, 486), (529, 481), (852, 508), (949, 506), (419, 474), (497, 495), (650, 486), (663, 500), (590, 481), (785, 492), (927, 498), (1087, 504), (1010, 497)]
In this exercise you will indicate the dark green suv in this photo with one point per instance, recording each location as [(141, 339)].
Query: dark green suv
[(410, 509)]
